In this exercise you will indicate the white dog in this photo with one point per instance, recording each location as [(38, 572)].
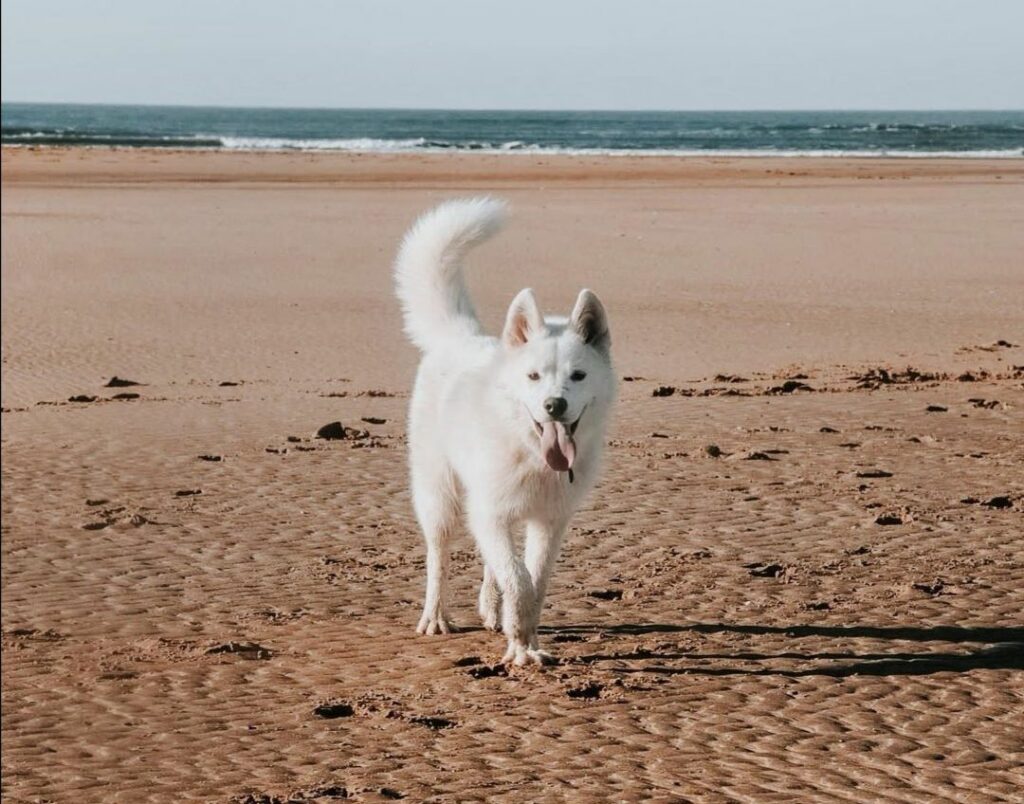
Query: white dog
[(512, 426)]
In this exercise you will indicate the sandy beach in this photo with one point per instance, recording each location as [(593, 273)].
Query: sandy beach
[(801, 578)]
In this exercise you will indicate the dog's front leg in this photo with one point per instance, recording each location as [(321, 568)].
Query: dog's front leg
[(543, 543), (494, 538)]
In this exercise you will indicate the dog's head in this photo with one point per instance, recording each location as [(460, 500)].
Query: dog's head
[(558, 370)]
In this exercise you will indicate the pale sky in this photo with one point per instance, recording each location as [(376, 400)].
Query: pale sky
[(479, 54)]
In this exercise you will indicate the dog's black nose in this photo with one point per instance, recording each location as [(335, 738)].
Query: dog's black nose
[(555, 406)]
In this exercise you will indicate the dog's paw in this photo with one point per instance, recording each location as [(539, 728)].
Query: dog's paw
[(520, 654), (435, 624)]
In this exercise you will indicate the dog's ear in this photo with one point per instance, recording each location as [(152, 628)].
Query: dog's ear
[(590, 321), (524, 319)]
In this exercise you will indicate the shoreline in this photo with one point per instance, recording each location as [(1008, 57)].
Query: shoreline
[(46, 165), (532, 151)]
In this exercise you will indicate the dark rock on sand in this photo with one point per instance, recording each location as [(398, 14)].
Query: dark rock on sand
[(331, 791), (336, 430), (331, 431), (759, 570), (488, 671), (126, 395), (246, 650), (789, 386), (434, 723), (936, 409), (606, 594), (82, 398), (374, 420), (877, 377), (664, 390), (1002, 501), (586, 691), (874, 473), (568, 638), (332, 710), (120, 382), (889, 519)]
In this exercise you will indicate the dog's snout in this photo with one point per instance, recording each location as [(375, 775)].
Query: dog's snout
[(555, 406)]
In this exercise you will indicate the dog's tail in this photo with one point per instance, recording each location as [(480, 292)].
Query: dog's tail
[(428, 270)]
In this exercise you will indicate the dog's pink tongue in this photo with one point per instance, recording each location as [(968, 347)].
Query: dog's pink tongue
[(557, 446)]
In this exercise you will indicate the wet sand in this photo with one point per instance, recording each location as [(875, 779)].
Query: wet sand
[(201, 601)]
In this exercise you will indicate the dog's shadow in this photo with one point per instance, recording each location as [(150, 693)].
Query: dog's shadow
[(998, 648)]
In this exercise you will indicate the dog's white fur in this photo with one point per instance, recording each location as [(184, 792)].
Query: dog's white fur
[(477, 411)]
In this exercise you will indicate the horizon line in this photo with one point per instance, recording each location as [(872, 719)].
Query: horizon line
[(4, 102)]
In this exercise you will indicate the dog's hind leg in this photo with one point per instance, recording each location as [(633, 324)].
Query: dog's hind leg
[(437, 511), (490, 601)]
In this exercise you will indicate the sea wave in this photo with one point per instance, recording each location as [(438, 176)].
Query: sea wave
[(14, 136), (57, 137), (354, 144), (422, 144)]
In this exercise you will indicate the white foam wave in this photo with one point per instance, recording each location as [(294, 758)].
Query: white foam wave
[(421, 144), (510, 148), (357, 144)]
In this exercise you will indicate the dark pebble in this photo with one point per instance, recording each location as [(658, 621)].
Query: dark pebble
[(332, 431), (329, 711)]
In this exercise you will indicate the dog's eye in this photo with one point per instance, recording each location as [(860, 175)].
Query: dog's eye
[(576, 376), (533, 375)]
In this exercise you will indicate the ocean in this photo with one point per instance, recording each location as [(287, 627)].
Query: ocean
[(825, 133)]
